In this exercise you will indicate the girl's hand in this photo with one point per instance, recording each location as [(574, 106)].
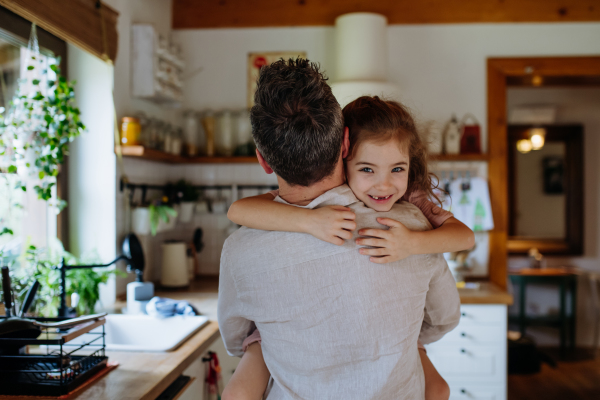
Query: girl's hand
[(331, 224), (391, 245)]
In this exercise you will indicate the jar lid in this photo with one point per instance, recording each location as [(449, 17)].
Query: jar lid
[(130, 119)]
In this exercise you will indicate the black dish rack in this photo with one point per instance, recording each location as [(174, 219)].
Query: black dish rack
[(56, 363)]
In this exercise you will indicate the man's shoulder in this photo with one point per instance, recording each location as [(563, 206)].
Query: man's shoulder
[(406, 213)]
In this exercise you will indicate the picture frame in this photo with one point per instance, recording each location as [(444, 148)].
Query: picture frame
[(257, 60)]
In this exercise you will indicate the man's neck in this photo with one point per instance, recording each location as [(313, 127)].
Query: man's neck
[(303, 195)]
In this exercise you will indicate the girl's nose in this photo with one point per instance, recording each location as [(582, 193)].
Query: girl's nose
[(383, 183)]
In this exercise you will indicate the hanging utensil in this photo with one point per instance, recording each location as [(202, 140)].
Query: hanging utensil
[(14, 327)]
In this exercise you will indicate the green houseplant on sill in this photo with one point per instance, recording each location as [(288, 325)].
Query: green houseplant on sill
[(38, 264)]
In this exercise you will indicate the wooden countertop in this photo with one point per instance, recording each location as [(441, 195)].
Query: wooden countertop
[(145, 375), (488, 293), (141, 375)]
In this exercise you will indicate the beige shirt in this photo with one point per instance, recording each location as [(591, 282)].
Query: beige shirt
[(333, 324)]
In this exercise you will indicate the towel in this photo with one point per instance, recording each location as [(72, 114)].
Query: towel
[(163, 308)]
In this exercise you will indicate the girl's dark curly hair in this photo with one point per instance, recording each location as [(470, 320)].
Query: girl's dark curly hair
[(371, 119)]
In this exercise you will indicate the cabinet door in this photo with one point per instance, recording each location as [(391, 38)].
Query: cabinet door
[(483, 392)]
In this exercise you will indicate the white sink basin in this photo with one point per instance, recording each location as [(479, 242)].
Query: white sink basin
[(145, 333)]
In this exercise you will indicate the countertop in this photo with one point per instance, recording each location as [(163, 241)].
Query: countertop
[(145, 375)]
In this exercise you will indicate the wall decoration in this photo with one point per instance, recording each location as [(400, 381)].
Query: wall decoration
[(257, 60), (554, 174)]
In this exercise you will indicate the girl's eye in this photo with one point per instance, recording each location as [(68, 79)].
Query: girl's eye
[(366, 169), (398, 169)]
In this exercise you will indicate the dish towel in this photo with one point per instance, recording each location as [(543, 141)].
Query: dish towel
[(163, 308)]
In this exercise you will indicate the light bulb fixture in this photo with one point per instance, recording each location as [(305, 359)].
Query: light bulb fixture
[(537, 136), (524, 146)]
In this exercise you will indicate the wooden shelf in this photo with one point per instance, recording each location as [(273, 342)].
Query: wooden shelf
[(459, 157), (160, 156)]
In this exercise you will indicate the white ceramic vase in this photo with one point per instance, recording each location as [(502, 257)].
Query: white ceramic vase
[(186, 212)]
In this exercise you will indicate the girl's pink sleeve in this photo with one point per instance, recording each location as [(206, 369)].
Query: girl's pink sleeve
[(253, 338), (436, 215)]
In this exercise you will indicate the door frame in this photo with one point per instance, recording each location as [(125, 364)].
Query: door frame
[(498, 71)]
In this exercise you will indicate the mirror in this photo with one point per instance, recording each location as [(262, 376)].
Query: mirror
[(545, 181)]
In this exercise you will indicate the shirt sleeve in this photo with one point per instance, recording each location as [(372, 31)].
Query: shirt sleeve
[(442, 304), (233, 326), (436, 215)]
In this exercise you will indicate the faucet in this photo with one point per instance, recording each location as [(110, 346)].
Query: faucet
[(133, 255)]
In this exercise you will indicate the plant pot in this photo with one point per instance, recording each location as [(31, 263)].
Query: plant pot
[(186, 212), (140, 221), (167, 226)]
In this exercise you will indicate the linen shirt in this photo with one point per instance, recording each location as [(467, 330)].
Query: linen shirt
[(333, 324)]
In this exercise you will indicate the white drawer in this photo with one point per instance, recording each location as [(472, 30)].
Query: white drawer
[(475, 314), (474, 334), (469, 363), (478, 392)]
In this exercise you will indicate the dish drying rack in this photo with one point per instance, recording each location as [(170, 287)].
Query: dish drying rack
[(55, 363)]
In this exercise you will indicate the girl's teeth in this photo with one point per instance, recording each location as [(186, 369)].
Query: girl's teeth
[(380, 198)]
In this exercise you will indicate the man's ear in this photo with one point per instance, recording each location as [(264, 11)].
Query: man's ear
[(346, 143), (263, 163)]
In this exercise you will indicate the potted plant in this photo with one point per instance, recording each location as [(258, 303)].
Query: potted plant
[(39, 125), (187, 195), (39, 264)]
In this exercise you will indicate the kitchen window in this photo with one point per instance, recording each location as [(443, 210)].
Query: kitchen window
[(31, 220)]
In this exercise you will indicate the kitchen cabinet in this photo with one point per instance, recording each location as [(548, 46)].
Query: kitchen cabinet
[(197, 370), (472, 358)]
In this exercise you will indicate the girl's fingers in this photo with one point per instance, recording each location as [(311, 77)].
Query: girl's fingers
[(349, 215), (380, 233), (344, 234), (350, 225), (388, 222), (336, 240), (371, 242), (380, 260), (374, 252)]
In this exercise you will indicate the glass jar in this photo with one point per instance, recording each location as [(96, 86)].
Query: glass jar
[(224, 135), (130, 131), (190, 124), (201, 137), (244, 134), (209, 123)]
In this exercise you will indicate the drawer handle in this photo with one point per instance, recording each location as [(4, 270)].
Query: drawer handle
[(463, 391), (463, 334), (463, 351), (463, 314)]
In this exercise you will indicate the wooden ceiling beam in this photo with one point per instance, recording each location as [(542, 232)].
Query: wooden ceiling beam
[(75, 21), (194, 14)]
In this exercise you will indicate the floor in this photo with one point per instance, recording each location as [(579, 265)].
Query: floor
[(576, 378)]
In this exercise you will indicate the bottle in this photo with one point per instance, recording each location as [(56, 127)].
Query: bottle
[(452, 137), (201, 137)]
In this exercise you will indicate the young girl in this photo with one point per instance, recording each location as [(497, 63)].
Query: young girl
[(386, 163)]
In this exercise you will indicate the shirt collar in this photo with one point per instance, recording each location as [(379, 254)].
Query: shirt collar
[(340, 195)]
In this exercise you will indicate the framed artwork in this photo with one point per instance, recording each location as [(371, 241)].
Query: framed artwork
[(257, 60), (554, 174)]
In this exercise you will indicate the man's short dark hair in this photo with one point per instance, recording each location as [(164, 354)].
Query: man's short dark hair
[(297, 123)]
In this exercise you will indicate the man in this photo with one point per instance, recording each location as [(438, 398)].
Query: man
[(333, 324)]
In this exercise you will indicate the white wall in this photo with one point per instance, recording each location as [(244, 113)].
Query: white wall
[(158, 13), (575, 105), (92, 163)]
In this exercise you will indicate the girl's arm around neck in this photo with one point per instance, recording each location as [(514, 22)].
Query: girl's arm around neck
[(332, 224), (398, 242), (451, 236)]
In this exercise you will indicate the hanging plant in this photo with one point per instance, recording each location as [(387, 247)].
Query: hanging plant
[(40, 123)]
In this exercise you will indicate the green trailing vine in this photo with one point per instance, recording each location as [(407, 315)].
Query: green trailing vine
[(38, 127)]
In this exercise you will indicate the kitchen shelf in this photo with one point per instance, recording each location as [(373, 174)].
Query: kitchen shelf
[(459, 157), (160, 156)]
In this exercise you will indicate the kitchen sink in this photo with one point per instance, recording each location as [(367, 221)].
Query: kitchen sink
[(145, 333)]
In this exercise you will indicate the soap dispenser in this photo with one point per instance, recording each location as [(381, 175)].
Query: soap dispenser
[(138, 292)]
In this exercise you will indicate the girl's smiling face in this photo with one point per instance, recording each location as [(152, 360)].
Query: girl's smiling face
[(378, 173)]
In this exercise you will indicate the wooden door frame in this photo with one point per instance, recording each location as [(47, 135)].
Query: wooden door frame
[(498, 70)]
